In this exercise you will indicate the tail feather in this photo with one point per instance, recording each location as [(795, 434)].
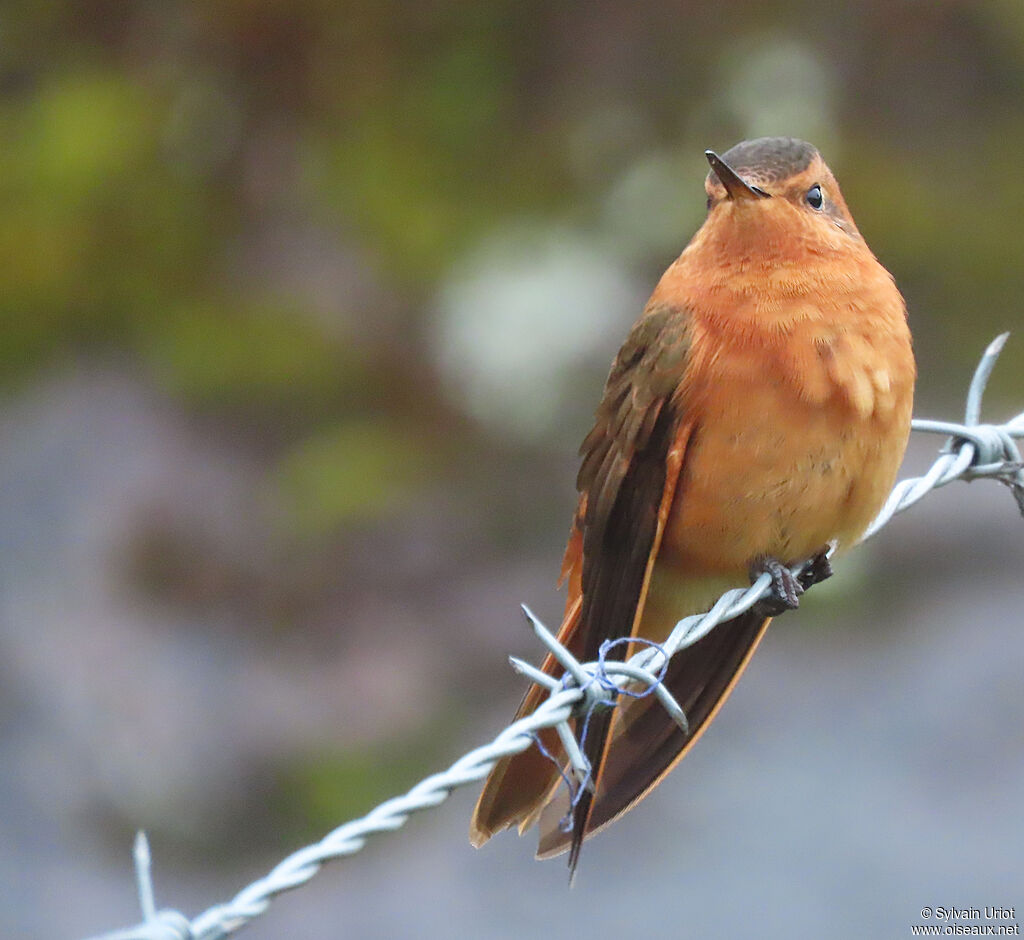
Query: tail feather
[(645, 743), (519, 785)]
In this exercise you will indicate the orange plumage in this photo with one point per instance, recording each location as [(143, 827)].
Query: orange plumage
[(757, 412)]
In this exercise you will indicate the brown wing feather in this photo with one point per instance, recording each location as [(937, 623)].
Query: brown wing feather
[(622, 476), (629, 482), (624, 595), (622, 482)]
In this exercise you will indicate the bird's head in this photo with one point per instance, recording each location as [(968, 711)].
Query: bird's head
[(777, 193)]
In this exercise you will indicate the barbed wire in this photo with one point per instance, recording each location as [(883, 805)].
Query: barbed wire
[(973, 451)]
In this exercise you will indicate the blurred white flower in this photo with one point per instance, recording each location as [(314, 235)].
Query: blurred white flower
[(654, 207), (518, 320)]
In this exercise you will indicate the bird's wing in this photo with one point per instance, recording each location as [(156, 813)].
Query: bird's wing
[(631, 461), (631, 464)]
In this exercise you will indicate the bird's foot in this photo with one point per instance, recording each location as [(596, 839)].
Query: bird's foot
[(784, 593), (818, 569)]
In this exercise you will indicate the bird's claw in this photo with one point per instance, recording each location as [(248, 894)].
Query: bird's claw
[(784, 593), (818, 569)]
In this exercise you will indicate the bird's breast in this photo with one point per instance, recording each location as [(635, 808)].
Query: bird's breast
[(798, 437)]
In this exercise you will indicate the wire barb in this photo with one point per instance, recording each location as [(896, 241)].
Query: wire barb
[(973, 451), (144, 876)]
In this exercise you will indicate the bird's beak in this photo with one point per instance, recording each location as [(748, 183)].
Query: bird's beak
[(736, 187)]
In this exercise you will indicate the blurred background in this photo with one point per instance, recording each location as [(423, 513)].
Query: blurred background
[(305, 309)]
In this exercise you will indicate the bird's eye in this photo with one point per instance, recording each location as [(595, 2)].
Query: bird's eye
[(814, 197)]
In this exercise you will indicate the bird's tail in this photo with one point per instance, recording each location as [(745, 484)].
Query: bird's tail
[(519, 786), (645, 743)]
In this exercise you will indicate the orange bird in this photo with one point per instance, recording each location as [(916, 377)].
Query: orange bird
[(757, 412)]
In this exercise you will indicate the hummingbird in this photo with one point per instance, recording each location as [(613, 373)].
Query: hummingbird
[(755, 417)]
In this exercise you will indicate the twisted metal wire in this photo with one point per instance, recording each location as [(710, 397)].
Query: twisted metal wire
[(972, 451)]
